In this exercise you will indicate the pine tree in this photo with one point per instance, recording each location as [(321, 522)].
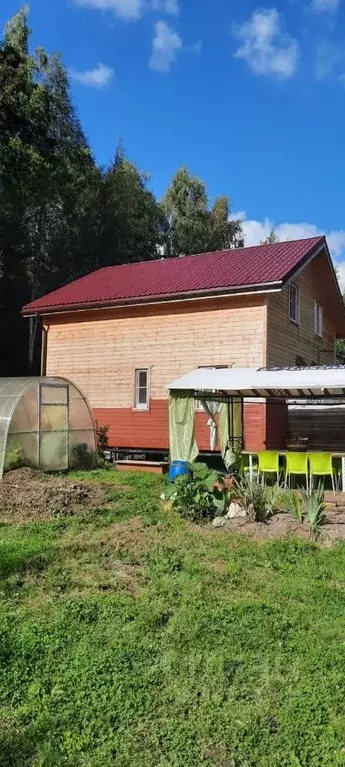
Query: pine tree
[(132, 221)]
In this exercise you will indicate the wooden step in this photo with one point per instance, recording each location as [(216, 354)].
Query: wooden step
[(150, 467)]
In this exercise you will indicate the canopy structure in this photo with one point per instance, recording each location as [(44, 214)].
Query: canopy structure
[(45, 423), (287, 383)]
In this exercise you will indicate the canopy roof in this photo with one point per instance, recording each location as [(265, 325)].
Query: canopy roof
[(288, 383)]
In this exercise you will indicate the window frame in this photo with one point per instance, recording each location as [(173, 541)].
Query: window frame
[(296, 319), (141, 406), (318, 319)]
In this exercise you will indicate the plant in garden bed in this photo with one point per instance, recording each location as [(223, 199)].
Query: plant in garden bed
[(315, 510), (260, 501), (199, 496), (311, 507), (293, 504)]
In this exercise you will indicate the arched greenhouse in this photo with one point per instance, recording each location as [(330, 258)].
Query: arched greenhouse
[(45, 423)]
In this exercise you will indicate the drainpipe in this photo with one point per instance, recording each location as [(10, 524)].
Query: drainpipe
[(44, 350)]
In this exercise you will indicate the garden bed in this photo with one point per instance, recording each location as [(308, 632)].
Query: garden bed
[(29, 494)]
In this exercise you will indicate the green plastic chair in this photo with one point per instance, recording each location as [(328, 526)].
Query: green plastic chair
[(268, 463), (297, 465), (244, 465), (320, 465)]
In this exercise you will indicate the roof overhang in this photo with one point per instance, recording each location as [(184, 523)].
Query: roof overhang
[(196, 295), (285, 383)]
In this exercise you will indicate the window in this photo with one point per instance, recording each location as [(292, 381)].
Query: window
[(293, 303), (142, 394), (317, 319)]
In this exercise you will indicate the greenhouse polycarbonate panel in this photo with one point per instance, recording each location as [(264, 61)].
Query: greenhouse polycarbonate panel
[(54, 418), (54, 395), (23, 446), (82, 448), (54, 451), (25, 416), (79, 414), (85, 437)]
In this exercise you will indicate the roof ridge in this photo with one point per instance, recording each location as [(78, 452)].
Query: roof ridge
[(210, 252)]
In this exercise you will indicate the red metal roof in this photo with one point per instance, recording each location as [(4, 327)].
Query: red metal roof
[(204, 273)]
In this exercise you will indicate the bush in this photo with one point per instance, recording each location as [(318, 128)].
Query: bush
[(102, 438), (199, 496)]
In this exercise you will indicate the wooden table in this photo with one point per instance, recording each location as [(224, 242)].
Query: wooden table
[(283, 452)]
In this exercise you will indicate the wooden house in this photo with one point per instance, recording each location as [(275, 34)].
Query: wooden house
[(124, 332)]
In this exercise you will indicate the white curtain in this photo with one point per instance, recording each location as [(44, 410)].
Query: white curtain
[(211, 408)]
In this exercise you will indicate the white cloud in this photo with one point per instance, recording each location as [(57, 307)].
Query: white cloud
[(165, 46), (257, 231), (166, 6), (127, 9), (329, 6), (328, 55), (132, 9), (266, 48), (98, 77)]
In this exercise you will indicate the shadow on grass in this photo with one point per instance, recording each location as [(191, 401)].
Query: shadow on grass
[(19, 557)]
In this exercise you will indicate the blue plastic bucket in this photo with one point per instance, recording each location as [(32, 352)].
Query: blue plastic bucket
[(178, 468)]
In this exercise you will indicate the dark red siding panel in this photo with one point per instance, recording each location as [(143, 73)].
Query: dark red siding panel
[(254, 426), (277, 424), (129, 428), (264, 426)]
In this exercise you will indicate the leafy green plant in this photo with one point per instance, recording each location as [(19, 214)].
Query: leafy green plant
[(192, 499), (293, 504), (315, 510), (200, 495)]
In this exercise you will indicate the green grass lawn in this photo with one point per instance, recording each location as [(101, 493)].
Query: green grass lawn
[(129, 638)]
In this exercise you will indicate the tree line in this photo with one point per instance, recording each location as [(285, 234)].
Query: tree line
[(61, 215)]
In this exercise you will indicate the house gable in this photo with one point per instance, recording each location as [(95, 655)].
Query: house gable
[(297, 343)]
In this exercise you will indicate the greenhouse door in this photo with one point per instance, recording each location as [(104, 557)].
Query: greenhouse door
[(53, 426)]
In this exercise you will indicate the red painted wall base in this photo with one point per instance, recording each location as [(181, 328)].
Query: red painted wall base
[(265, 426)]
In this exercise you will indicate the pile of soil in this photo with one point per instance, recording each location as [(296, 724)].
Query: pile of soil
[(28, 494)]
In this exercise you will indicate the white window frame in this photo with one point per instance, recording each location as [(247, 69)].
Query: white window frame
[(141, 405), (293, 287), (318, 319)]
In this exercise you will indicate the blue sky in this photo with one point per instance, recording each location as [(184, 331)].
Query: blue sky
[(251, 97)]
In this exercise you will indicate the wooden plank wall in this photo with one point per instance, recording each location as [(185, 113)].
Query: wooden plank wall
[(100, 351), (321, 428), (285, 340)]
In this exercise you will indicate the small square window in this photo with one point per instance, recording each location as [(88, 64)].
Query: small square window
[(318, 319), (294, 303), (142, 393)]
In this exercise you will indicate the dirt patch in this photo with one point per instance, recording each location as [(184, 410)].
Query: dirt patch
[(28, 494), (283, 526)]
